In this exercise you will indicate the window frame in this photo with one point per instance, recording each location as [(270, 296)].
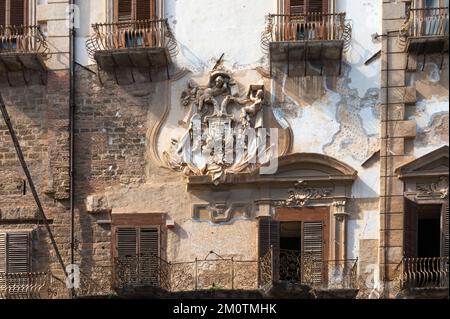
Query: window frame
[(29, 248)]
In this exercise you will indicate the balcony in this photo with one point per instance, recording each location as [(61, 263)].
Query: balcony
[(324, 276), (23, 285), (306, 44), (23, 50), (146, 45), (425, 273), (425, 31)]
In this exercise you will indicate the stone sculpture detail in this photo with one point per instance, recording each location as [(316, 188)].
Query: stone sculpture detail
[(220, 138)]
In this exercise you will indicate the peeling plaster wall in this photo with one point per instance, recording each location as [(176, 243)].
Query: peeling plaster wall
[(431, 111)]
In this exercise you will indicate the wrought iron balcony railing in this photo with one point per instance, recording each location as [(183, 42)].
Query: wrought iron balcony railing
[(22, 39), (429, 272), (154, 33), (306, 27), (426, 22), (309, 269), (23, 285)]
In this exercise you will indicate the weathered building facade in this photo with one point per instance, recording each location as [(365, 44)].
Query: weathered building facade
[(215, 145)]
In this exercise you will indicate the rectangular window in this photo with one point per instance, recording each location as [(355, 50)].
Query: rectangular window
[(137, 253), (15, 252), (13, 12), (132, 10), (306, 6)]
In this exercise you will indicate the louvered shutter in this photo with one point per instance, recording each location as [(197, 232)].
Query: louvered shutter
[(313, 248), (18, 252), (445, 233), (317, 6), (126, 242), (2, 12), (149, 253), (410, 229), (269, 235), (302, 6), (17, 12), (3, 252), (144, 9), (296, 6), (124, 10)]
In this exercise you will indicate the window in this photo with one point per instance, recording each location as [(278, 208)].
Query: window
[(137, 252), (15, 252), (13, 12), (305, 6), (426, 230), (132, 10)]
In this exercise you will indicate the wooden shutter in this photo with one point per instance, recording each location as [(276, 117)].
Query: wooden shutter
[(303, 6), (17, 12), (411, 228), (2, 12), (444, 214), (149, 252), (124, 10), (317, 6), (145, 9), (2, 252), (296, 6), (313, 246), (18, 252), (269, 235), (126, 242)]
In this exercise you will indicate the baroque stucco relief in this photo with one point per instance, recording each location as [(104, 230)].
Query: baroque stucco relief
[(225, 133)]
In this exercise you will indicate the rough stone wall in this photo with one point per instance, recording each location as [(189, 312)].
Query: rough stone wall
[(40, 116)]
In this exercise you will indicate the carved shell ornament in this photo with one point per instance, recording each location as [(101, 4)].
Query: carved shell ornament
[(222, 135)]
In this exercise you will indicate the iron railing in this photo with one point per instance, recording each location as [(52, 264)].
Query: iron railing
[(309, 269), (200, 274), (428, 272), (23, 39), (425, 22), (23, 285), (306, 27), (154, 33)]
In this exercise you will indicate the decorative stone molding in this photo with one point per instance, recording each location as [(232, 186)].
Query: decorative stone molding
[(97, 204), (439, 188), (301, 194), (219, 212)]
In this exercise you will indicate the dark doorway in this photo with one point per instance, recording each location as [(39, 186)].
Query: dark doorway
[(290, 250), (429, 231), (290, 235)]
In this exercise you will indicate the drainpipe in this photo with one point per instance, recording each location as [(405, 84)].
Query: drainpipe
[(71, 125)]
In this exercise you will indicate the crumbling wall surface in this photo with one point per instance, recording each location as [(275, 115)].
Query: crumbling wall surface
[(40, 117), (431, 109)]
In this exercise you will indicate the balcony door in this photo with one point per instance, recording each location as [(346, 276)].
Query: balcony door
[(305, 6), (426, 230), (13, 12), (134, 10), (299, 239)]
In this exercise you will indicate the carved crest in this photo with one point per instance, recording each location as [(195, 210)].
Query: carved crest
[(440, 188), (219, 138)]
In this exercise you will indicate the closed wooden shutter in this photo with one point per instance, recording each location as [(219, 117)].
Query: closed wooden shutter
[(3, 252), (445, 232), (149, 252), (411, 228), (145, 9), (17, 13), (15, 252), (124, 10), (303, 6), (313, 247), (2, 12), (126, 242)]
